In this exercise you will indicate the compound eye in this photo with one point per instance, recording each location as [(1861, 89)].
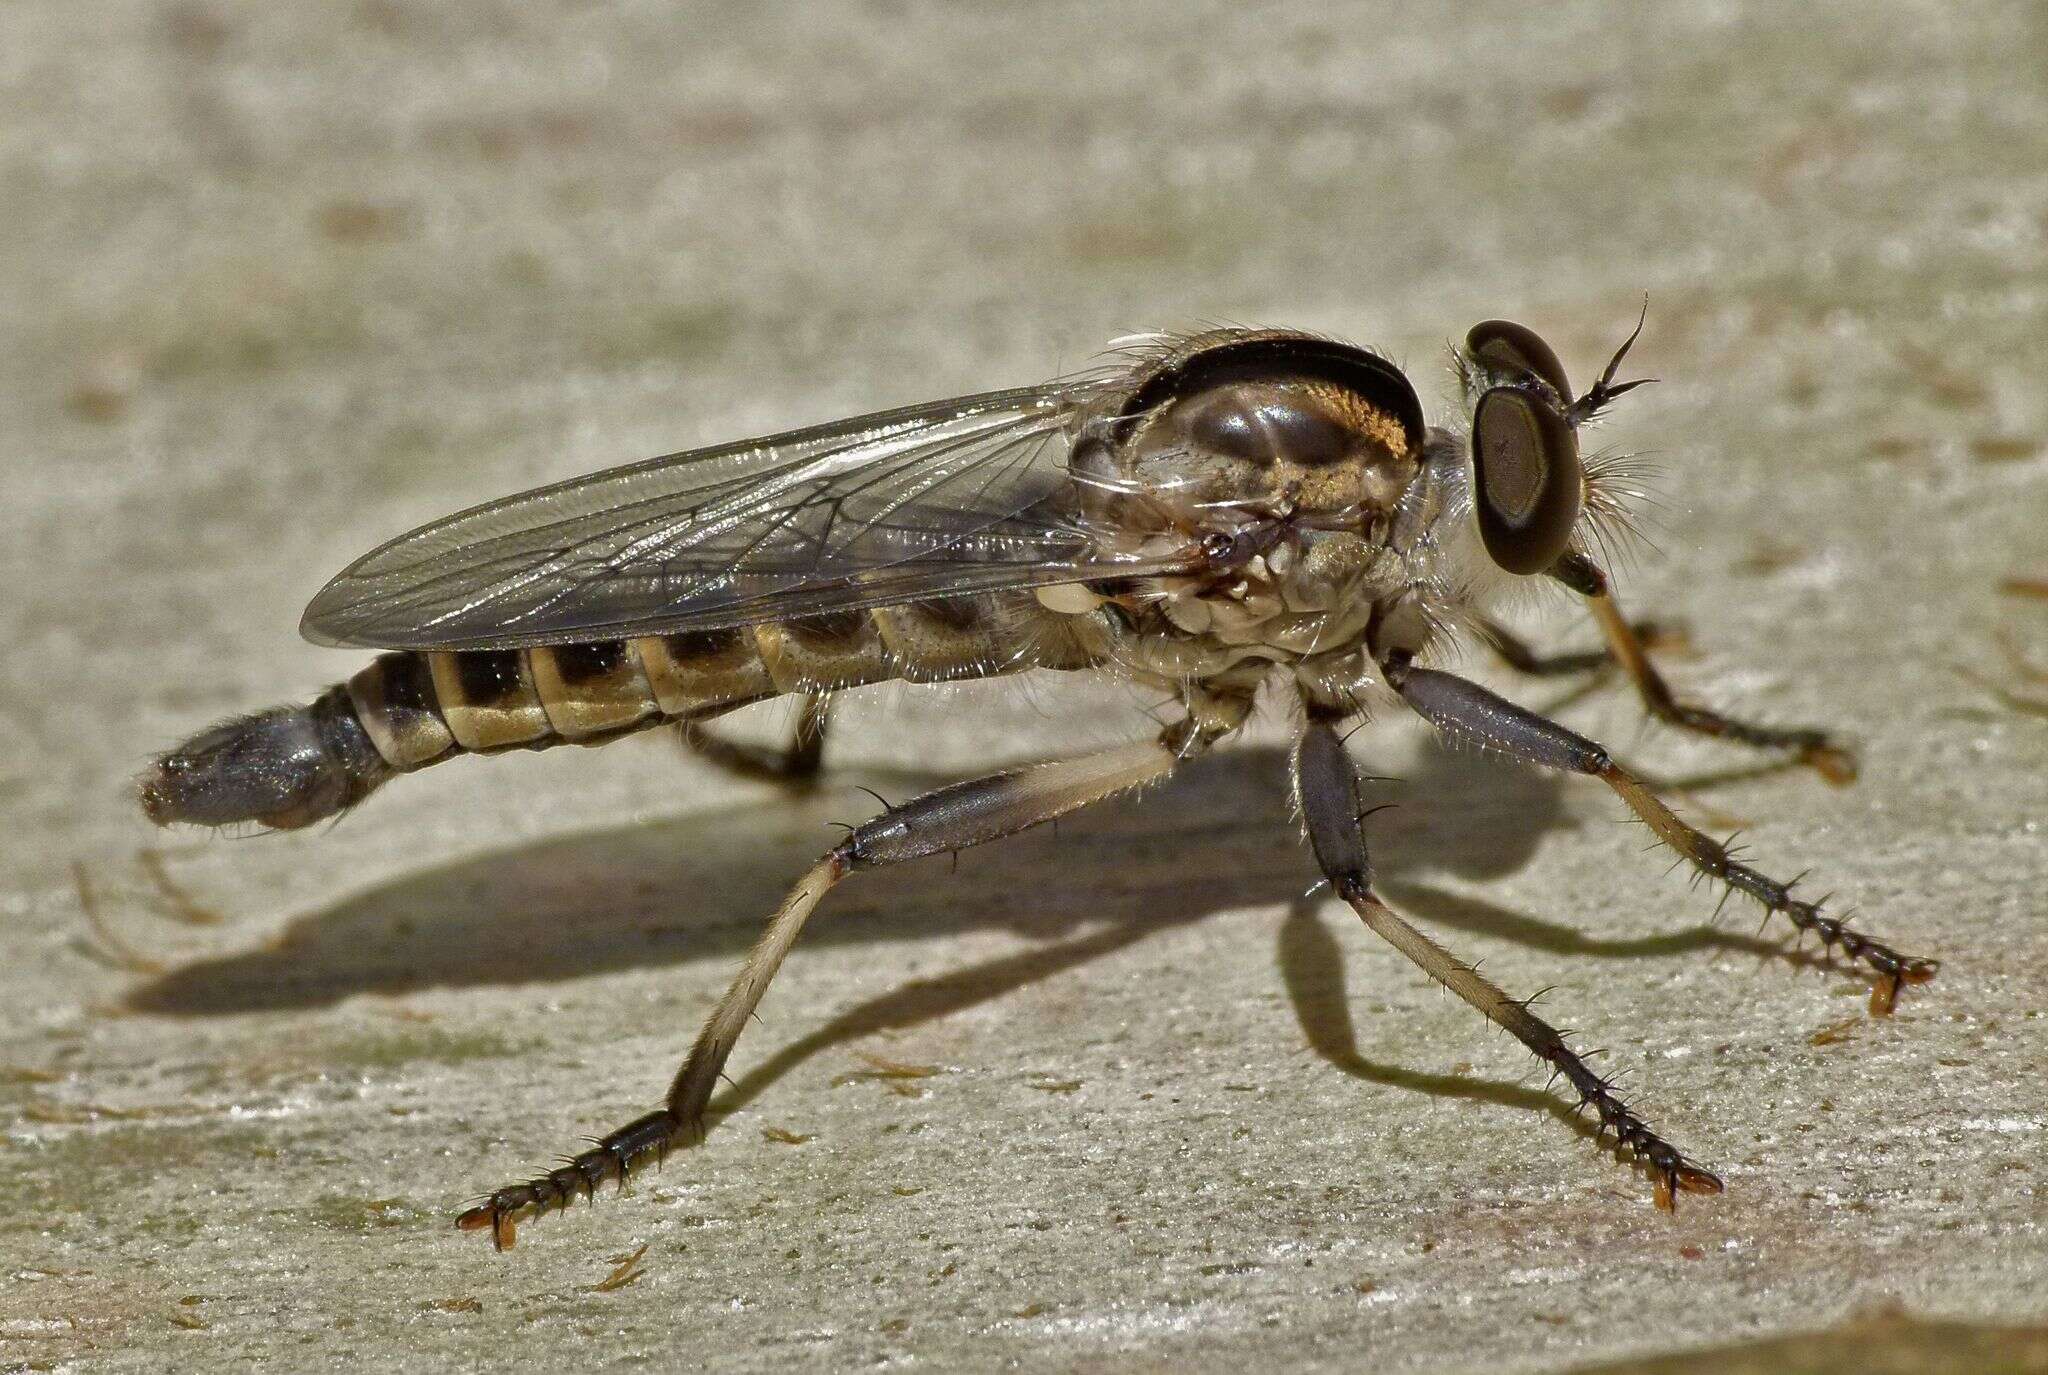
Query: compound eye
[(1528, 481), (1516, 349)]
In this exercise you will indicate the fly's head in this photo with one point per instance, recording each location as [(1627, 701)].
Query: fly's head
[(1529, 492)]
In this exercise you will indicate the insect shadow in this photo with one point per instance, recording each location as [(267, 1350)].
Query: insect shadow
[(1216, 837)]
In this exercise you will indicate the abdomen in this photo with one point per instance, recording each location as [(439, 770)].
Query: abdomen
[(292, 766)]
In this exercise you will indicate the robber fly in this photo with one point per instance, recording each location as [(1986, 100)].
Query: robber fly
[(1201, 515)]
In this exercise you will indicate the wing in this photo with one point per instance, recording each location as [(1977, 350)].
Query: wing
[(950, 497)]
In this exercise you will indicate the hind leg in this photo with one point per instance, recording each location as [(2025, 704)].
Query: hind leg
[(951, 818), (796, 764)]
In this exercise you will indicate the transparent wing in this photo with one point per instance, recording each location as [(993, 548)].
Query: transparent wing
[(951, 497)]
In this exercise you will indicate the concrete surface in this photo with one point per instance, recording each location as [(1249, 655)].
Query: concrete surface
[(280, 281)]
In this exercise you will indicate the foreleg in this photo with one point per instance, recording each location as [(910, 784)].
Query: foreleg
[(1813, 748), (1466, 711)]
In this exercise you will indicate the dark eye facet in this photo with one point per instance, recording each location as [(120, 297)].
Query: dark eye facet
[(1512, 348), (1528, 482)]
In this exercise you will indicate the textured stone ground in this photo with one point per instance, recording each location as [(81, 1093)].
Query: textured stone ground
[(280, 281)]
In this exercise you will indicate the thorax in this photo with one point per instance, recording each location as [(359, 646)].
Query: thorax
[(1289, 457)]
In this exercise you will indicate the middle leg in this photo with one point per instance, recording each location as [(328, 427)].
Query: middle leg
[(1525, 658), (1327, 788)]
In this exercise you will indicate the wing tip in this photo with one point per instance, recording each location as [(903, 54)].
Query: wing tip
[(328, 620)]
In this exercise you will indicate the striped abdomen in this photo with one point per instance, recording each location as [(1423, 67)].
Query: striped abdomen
[(292, 766)]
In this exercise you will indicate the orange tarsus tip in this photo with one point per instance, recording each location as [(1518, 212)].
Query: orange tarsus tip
[(1684, 1179), (504, 1228), (1832, 763), (1884, 994), (1699, 1181)]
